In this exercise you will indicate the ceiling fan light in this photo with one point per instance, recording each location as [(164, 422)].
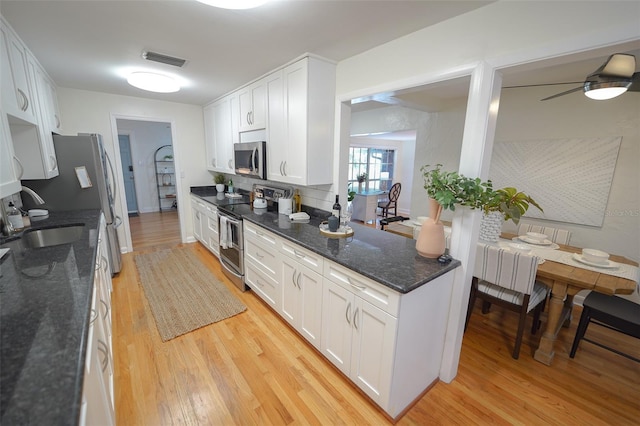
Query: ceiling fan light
[(234, 4), (153, 82), (605, 90)]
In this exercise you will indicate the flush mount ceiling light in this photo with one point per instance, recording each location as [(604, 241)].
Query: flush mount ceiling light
[(153, 82), (234, 4)]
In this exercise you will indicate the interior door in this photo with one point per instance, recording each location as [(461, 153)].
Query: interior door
[(127, 174)]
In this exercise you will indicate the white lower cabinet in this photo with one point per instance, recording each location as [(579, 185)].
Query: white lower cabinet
[(389, 344), (205, 224), (359, 339), (98, 405), (301, 296)]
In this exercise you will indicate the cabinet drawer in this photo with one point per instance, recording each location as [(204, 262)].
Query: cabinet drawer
[(265, 287), (259, 234), (264, 258), (369, 290), (306, 257)]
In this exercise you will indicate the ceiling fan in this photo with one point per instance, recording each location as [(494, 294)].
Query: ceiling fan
[(613, 78)]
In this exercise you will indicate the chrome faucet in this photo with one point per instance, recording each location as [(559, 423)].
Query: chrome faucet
[(38, 199)]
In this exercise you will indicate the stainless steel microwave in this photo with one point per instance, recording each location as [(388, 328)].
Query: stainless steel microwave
[(251, 159)]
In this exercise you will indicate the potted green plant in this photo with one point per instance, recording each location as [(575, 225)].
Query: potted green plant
[(219, 180), (362, 177), (501, 205)]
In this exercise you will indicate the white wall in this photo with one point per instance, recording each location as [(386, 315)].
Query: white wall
[(523, 117), (85, 111), (145, 138), (479, 43)]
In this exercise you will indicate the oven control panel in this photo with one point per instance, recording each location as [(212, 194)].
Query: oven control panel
[(271, 193)]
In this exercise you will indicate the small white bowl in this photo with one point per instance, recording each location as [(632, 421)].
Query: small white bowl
[(520, 247), (536, 236), (595, 256)]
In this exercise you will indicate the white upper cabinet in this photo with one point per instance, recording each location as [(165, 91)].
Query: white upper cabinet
[(301, 123), (220, 134), (253, 106), (9, 172), (17, 98)]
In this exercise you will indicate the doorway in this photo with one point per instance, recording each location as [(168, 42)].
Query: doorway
[(128, 175), (138, 141)]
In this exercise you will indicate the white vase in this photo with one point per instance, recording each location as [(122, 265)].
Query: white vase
[(491, 226), (220, 187)]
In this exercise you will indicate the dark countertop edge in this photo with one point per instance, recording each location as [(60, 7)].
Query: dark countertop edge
[(56, 219), (210, 190)]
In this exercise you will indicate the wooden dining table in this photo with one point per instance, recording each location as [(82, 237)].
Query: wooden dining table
[(565, 281)]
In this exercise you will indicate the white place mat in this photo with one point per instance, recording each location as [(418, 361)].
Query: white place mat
[(623, 270)]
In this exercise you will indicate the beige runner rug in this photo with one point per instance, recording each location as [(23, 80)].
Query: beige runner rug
[(182, 293)]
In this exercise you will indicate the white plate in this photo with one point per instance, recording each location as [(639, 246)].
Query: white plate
[(536, 242), (608, 265)]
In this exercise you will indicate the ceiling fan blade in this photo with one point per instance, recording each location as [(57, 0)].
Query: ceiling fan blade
[(635, 83), (618, 65), (575, 89)]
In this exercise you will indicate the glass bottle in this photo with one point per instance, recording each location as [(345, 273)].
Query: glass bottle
[(297, 203), (336, 208), (15, 218)]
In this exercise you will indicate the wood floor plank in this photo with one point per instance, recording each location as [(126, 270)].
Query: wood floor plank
[(253, 369)]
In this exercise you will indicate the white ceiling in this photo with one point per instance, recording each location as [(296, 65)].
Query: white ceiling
[(85, 44)]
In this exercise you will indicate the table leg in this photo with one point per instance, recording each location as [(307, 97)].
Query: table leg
[(545, 351)]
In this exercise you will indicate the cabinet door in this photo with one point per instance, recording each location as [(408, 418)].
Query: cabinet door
[(196, 215), (253, 106), (223, 136), (337, 313), (277, 146), (212, 232), (310, 311), (47, 166), (9, 179), (295, 80), (17, 98), (209, 139), (374, 339)]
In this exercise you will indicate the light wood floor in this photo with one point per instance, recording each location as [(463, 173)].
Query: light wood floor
[(253, 369)]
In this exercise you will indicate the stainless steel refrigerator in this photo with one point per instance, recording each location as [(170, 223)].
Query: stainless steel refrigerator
[(65, 191)]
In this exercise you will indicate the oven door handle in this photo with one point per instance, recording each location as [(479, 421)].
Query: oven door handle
[(224, 265), (230, 220)]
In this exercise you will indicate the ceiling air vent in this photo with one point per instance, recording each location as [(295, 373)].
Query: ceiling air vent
[(164, 59)]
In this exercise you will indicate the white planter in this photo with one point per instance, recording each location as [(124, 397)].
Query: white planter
[(491, 226), (220, 187)]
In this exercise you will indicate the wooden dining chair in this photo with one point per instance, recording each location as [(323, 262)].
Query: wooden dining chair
[(508, 279), (392, 201), (558, 236)]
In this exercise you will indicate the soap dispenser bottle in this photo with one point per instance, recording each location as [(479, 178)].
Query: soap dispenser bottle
[(15, 218)]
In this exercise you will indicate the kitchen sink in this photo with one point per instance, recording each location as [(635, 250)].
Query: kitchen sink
[(46, 237)]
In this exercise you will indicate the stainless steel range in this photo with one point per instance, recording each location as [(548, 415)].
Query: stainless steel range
[(231, 229)]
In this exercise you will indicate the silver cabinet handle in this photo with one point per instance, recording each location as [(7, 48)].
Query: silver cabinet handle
[(348, 314), (94, 316), (17, 160), (106, 309), (25, 103), (284, 167), (298, 280), (105, 263), (54, 162), (102, 347), (230, 163), (57, 120), (355, 318), (293, 278), (359, 287), (259, 256), (298, 254)]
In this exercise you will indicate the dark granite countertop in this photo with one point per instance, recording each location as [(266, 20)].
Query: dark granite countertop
[(45, 303), (387, 258)]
